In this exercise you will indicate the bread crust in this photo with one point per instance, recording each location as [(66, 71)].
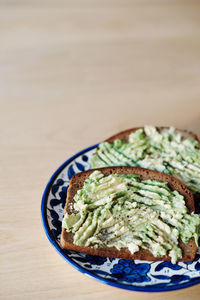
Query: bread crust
[(76, 183)]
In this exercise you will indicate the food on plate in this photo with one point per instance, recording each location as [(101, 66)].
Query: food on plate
[(130, 213), (168, 150)]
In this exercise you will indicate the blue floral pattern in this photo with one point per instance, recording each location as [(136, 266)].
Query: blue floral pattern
[(136, 274), (130, 271), (96, 260)]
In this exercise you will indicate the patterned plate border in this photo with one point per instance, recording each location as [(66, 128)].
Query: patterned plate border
[(51, 238)]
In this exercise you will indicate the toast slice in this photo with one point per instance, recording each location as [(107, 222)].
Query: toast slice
[(124, 136), (77, 182)]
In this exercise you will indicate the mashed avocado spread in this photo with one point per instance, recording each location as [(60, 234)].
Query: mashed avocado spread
[(122, 211), (167, 151)]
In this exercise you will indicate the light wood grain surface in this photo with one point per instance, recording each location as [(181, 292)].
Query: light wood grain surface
[(71, 74)]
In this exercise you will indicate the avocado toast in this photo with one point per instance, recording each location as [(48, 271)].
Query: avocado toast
[(168, 150), (130, 213)]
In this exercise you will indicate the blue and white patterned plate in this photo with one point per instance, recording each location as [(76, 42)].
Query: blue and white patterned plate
[(135, 275)]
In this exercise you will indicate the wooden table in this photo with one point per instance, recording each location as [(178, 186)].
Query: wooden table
[(71, 74)]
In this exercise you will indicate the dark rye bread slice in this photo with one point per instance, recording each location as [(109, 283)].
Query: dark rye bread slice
[(123, 135), (76, 183)]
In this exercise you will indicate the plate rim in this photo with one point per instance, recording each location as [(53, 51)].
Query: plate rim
[(75, 265)]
